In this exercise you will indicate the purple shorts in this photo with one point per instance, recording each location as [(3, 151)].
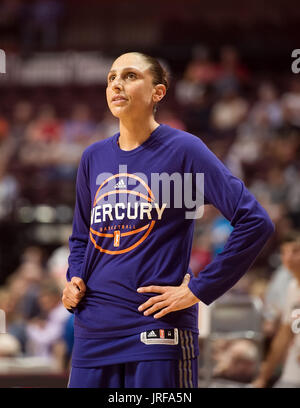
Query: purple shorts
[(141, 374)]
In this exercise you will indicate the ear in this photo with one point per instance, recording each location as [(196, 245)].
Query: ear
[(159, 92)]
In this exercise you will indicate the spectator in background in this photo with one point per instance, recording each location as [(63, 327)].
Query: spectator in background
[(9, 346), (80, 127), (77, 132), (276, 293), (108, 126), (284, 147), (15, 323), (42, 139), (9, 188), (200, 254), (228, 112), (4, 129), (246, 150), (220, 231), (22, 115), (199, 73), (31, 272), (192, 92), (267, 111), (291, 104), (57, 263), (236, 360), (274, 185), (231, 72), (196, 115), (46, 330), (285, 346), (292, 177), (167, 117), (46, 127)]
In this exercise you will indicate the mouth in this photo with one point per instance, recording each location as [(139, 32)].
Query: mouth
[(118, 98)]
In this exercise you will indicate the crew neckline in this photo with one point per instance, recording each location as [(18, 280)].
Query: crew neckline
[(146, 143)]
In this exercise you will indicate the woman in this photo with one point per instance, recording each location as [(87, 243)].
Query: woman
[(129, 280)]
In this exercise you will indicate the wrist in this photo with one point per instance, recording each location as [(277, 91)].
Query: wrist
[(264, 373), (192, 297)]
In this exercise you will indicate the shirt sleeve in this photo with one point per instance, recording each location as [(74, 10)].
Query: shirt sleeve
[(81, 222), (252, 225)]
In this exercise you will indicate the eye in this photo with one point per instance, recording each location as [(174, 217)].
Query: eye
[(111, 78), (131, 75)]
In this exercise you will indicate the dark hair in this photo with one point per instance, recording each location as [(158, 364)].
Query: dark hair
[(290, 236), (160, 75)]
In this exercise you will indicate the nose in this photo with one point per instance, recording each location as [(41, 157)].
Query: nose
[(117, 84)]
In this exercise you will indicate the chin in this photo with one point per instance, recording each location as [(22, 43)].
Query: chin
[(119, 113), (115, 114)]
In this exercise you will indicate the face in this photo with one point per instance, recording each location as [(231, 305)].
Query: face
[(130, 91), (290, 255), (47, 301)]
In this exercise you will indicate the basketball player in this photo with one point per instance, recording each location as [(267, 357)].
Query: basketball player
[(129, 283)]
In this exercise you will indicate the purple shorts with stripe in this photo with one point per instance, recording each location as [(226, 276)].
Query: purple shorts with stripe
[(141, 374), (153, 359)]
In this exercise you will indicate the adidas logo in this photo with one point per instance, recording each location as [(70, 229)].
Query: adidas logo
[(152, 334), (120, 184)]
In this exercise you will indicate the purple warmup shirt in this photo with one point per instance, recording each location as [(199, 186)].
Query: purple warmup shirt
[(125, 236)]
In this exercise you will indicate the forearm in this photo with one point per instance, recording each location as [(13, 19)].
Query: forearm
[(81, 223), (77, 254), (277, 352)]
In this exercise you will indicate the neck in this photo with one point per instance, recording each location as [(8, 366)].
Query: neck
[(133, 133)]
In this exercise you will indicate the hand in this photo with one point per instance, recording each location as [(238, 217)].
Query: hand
[(172, 298), (259, 382), (73, 292)]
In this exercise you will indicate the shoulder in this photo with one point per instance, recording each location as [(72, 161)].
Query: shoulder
[(192, 149), (96, 147), (179, 135), (179, 138)]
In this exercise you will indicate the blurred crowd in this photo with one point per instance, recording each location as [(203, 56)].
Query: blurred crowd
[(37, 323), (251, 123)]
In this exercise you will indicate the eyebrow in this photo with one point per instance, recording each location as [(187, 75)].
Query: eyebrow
[(124, 69)]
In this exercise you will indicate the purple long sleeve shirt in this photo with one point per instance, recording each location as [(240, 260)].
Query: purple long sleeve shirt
[(126, 235)]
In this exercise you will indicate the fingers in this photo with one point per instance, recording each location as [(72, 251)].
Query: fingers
[(151, 302), (69, 303), (157, 306), (186, 279), (163, 312), (73, 292), (152, 289), (78, 282), (72, 289)]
